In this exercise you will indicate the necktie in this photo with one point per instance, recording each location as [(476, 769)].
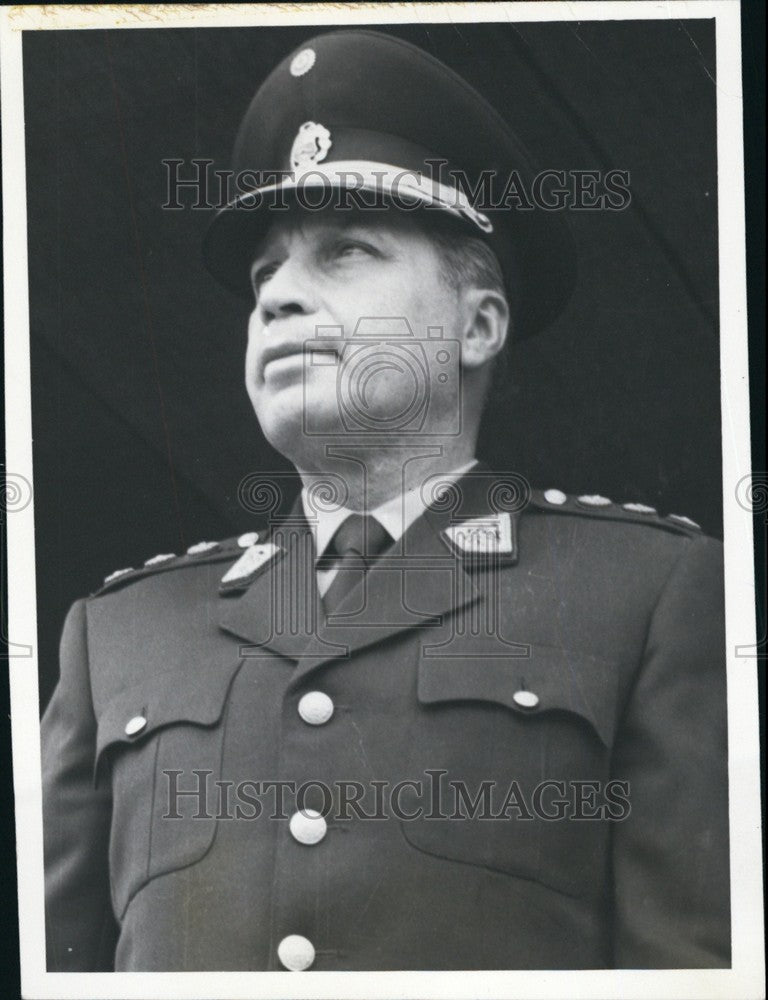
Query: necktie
[(357, 543)]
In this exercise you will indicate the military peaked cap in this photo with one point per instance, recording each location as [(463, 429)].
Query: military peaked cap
[(364, 110)]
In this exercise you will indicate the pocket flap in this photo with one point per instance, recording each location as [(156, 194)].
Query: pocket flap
[(134, 713), (549, 679)]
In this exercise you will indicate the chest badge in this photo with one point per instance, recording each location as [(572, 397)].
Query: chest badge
[(252, 562), (490, 535), (310, 146)]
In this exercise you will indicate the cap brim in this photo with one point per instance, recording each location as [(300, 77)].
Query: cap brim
[(548, 259)]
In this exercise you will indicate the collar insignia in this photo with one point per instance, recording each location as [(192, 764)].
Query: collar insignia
[(248, 566), (310, 146), (490, 535)]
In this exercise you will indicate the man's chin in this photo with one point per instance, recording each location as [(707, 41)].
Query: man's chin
[(294, 431)]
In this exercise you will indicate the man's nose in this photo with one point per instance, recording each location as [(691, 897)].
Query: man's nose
[(287, 292)]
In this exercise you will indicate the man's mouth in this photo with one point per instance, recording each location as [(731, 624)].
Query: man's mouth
[(279, 356)]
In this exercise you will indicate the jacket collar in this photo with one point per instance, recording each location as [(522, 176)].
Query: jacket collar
[(396, 515), (422, 579)]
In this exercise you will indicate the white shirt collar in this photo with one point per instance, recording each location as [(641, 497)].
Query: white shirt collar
[(396, 515)]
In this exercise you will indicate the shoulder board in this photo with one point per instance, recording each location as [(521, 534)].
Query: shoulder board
[(198, 554), (593, 505)]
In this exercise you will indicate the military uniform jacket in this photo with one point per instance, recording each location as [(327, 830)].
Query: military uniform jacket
[(570, 674)]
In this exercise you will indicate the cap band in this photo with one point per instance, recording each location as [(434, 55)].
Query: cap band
[(396, 182)]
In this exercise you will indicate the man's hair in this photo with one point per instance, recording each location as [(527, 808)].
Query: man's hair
[(468, 262)]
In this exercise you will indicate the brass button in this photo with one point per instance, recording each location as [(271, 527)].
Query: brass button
[(296, 952), (308, 827), (303, 62), (315, 708)]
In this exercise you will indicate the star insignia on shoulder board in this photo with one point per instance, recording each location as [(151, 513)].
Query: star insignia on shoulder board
[(200, 547), (118, 573), (198, 554), (597, 505)]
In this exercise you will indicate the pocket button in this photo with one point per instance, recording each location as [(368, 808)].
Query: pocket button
[(525, 699), (135, 725)]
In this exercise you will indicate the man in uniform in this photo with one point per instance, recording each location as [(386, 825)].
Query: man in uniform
[(431, 718)]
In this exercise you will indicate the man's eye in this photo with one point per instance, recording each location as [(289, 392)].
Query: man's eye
[(262, 274), (352, 249)]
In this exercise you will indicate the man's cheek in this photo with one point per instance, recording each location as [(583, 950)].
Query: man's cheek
[(255, 331), (253, 388)]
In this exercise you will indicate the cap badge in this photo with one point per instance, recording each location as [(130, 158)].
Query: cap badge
[(310, 146), (303, 62), (483, 536)]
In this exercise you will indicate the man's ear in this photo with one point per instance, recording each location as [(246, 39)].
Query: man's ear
[(486, 325)]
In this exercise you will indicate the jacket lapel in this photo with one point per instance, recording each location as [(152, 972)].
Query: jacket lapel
[(417, 584), (281, 609), (413, 585)]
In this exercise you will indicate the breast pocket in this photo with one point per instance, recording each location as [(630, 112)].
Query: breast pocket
[(522, 742), (160, 746)]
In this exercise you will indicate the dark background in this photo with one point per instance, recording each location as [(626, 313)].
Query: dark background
[(142, 428)]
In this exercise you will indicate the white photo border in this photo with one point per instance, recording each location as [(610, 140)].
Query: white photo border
[(746, 977)]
